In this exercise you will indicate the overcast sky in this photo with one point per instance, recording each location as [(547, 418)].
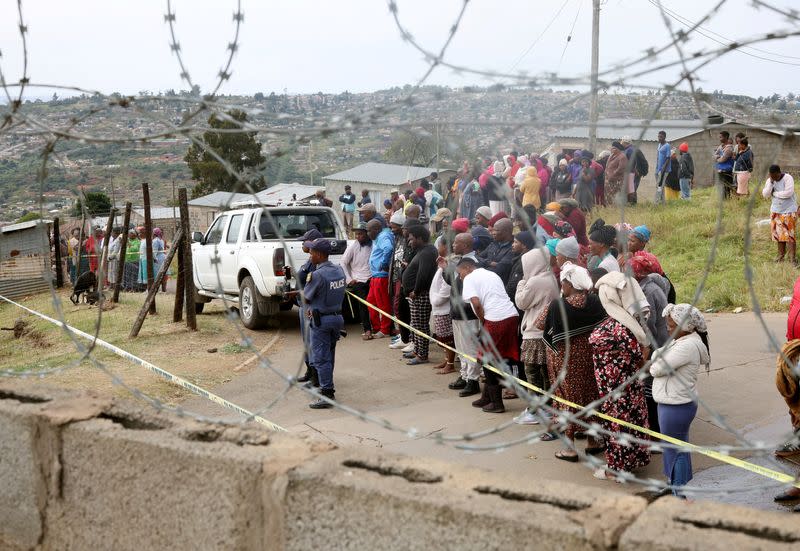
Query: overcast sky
[(305, 46)]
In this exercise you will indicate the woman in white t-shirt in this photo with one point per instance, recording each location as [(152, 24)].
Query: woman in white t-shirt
[(499, 344)]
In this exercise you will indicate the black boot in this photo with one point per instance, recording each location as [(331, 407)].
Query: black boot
[(495, 404), (471, 388), (322, 404), (307, 377), (458, 384), (484, 399), (313, 379)]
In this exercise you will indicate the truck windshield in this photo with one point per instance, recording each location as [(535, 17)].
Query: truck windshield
[(290, 225)]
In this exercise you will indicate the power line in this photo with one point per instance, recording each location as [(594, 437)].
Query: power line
[(725, 41), (569, 37), (538, 38)]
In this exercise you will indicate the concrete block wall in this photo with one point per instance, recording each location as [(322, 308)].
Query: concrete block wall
[(79, 471)]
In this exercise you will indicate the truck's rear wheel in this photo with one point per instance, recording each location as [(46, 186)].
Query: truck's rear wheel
[(198, 307), (248, 305)]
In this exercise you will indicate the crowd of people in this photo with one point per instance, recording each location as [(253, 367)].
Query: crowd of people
[(87, 256), (575, 310)]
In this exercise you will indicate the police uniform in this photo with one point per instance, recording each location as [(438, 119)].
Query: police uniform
[(300, 280), (324, 292)]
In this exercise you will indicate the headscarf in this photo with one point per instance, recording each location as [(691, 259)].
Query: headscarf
[(569, 247), (554, 206), (578, 276), (460, 225), (499, 216), (686, 316), (623, 299), (644, 263), (552, 246), (398, 218), (157, 232), (562, 162), (606, 235), (420, 192), (642, 233), (563, 229)]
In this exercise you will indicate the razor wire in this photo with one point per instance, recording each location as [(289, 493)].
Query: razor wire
[(19, 122)]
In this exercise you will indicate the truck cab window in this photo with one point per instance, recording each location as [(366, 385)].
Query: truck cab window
[(233, 228), (215, 231)]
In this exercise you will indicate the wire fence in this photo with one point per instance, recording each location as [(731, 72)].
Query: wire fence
[(669, 52)]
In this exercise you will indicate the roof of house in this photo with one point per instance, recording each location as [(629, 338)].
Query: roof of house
[(282, 193), (381, 173), (637, 129), (218, 199), (24, 225)]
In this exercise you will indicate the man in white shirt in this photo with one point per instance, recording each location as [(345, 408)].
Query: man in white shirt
[(485, 291), (355, 263)]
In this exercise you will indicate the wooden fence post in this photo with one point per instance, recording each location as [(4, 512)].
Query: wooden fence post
[(188, 273), (57, 250), (180, 286), (122, 250)]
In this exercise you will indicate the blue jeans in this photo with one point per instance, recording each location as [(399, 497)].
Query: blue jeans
[(686, 188), (323, 348)]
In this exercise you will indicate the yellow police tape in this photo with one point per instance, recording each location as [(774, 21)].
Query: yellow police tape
[(719, 456), (155, 369)]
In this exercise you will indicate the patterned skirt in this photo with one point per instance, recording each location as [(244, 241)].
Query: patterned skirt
[(443, 328), (534, 352), (782, 226)]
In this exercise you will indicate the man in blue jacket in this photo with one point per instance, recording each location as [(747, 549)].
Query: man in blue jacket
[(663, 154), (379, 260), (348, 201)]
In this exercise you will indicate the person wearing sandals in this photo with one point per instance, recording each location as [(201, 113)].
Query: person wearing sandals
[(619, 345), (674, 370), (499, 345), (416, 280), (440, 309), (536, 289), (576, 314)]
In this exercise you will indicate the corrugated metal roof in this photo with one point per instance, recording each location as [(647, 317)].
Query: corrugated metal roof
[(381, 173), (282, 193), (24, 225), (218, 199), (614, 129)]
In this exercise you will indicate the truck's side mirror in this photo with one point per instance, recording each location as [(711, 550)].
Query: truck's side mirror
[(197, 237)]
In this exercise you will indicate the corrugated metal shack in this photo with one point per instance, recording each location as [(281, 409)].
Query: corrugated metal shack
[(25, 258)]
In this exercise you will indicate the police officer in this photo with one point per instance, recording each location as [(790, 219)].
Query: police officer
[(301, 277), (324, 293)]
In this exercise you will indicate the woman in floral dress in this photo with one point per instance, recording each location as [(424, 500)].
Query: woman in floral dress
[(619, 346), (583, 313)]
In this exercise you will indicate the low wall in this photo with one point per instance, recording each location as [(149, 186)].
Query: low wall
[(80, 471)]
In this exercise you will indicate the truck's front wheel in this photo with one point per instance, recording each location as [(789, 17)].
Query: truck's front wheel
[(248, 305)]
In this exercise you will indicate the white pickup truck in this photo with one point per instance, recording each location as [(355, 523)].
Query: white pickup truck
[(241, 257)]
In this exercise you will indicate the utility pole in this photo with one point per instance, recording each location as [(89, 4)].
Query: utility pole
[(595, 70)]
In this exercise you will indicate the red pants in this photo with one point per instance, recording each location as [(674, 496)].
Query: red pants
[(379, 296)]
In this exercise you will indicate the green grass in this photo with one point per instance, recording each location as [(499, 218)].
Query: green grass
[(683, 236)]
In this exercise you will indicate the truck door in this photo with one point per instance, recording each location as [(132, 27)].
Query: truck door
[(204, 253), (229, 255)]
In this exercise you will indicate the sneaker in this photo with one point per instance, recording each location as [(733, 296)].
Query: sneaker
[(526, 418), (409, 347), (398, 344)]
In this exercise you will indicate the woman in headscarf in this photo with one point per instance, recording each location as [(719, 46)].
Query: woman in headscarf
[(619, 346), (159, 254), (535, 291), (615, 174), (601, 239), (440, 310), (581, 314), (496, 189), (131, 254), (530, 188), (674, 370), (562, 181), (142, 280), (584, 191)]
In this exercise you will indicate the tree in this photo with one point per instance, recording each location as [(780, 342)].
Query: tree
[(97, 202), (259, 96), (240, 149), (27, 217), (413, 149)]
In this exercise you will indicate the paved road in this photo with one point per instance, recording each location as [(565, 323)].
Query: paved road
[(374, 379)]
